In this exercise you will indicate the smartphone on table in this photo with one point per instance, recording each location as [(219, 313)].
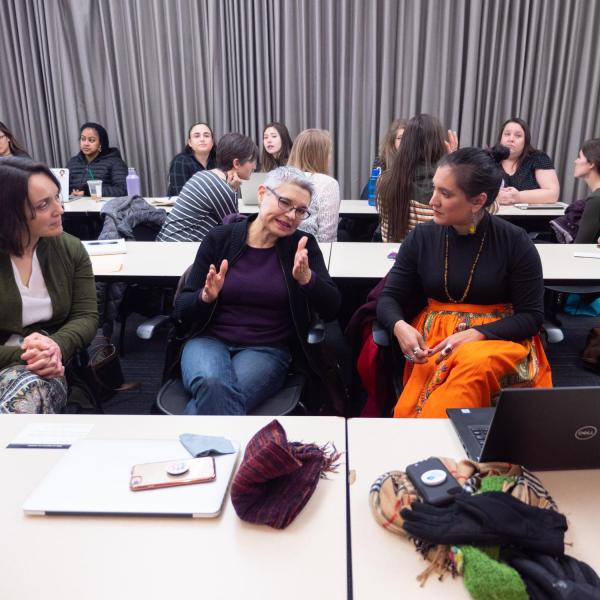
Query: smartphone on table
[(150, 476)]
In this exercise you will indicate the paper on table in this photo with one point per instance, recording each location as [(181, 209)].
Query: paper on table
[(586, 254), (50, 435), (162, 201), (106, 264)]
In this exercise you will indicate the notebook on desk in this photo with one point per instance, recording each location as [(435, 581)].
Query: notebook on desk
[(249, 188), (540, 428), (92, 478)]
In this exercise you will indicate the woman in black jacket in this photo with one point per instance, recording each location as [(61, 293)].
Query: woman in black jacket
[(96, 160), (248, 301)]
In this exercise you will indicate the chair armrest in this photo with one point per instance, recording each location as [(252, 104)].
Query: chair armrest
[(381, 337), (146, 330)]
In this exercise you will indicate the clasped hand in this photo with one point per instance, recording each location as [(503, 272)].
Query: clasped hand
[(415, 349), (508, 195), (43, 356)]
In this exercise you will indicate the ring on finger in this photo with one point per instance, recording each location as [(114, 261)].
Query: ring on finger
[(409, 357)]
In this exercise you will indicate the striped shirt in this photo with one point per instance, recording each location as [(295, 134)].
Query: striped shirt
[(202, 204)]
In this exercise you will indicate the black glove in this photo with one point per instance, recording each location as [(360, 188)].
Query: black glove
[(492, 519), (550, 578)]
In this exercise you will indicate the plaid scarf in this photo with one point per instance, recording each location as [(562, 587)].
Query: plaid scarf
[(277, 478), (393, 491)]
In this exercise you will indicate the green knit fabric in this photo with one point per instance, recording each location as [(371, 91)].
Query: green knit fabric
[(494, 483), (487, 579)]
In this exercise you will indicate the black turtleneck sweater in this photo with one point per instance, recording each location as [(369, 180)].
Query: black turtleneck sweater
[(509, 270)]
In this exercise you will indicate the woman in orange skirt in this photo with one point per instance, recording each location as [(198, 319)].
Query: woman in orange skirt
[(464, 298)]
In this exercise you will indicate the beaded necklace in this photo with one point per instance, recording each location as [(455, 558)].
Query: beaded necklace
[(470, 280)]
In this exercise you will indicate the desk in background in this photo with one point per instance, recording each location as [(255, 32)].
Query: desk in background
[(384, 563), (98, 558), (155, 262), (356, 260)]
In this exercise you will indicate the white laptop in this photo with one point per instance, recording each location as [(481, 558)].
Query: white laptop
[(249, 188), (63, 178), (92, 478)]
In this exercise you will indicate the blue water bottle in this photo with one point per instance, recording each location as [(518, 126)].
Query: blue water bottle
[(133, 183), (372, 185)]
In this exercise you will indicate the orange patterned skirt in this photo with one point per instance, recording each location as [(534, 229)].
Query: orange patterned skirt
[(472, 375)]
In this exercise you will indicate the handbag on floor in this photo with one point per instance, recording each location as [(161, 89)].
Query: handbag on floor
[(591, 353), (104, 373)]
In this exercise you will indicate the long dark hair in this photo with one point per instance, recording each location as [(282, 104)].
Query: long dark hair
[(212, 155), (15, 148), (422, 147), (528, 149), (477, 171), (14, 202), (268, 162)]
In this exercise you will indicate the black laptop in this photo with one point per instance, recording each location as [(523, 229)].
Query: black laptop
[(540, 428)]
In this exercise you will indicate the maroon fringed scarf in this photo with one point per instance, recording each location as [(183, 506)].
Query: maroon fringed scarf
[(277, 478)]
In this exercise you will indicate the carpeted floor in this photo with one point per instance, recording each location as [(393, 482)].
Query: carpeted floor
[(143, 363)]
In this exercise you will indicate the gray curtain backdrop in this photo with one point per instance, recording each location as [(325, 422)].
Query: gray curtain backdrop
[(148, 69)]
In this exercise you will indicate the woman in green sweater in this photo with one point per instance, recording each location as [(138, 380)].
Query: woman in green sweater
[(48, 304)]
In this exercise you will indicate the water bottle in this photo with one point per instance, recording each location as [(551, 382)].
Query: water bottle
[(133, 183), (372, 185)]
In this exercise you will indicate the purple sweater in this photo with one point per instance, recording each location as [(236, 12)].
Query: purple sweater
[(253, 307)]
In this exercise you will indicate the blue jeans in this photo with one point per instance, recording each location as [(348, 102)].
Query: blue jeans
[(230, 380)]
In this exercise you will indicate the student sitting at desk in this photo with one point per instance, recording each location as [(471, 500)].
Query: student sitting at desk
[(474, 282), (529, 175), (9, 146), (277, 144), (48, 301), (199, 154), (404, 190), (311, 153), (587, 167), (248, 298), (96, 160), (209, 196)]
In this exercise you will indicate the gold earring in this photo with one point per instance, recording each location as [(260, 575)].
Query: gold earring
[(472, 227)]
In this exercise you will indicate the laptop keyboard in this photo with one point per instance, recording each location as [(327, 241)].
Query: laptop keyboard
[(480, 432)]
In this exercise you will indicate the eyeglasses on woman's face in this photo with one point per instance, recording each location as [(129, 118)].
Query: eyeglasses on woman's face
[(286, 206)]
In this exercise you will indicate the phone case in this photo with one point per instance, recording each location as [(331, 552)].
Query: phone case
[(437, 495), (150, 476)]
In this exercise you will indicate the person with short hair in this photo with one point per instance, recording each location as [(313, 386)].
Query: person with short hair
[(587, 167), (96, 160), (199, 154), (9, 146), (529, 174), (277, 144), (210, 195), (312, 153), (48, 302), (464, 298), (248, 298)]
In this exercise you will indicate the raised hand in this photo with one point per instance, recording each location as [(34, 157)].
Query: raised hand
[(233, 179), (214, 282), (301, 271), (452, 142)]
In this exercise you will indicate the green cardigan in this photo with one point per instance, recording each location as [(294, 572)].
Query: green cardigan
[(68, 275)]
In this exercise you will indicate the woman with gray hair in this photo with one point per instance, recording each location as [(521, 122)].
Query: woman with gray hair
[(248, 299)]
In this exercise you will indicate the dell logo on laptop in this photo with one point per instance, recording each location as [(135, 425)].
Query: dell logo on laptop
[(587, 432)]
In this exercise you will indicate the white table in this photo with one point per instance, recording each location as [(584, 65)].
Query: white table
[(100, 558), (157, 261), (356, 260), (384, 563), (86, 206)]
